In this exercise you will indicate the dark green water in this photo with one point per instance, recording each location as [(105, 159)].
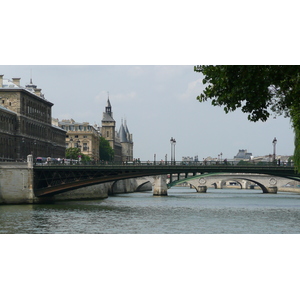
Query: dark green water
[(184, 211)]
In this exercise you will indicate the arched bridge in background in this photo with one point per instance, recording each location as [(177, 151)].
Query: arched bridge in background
[(54, 179)]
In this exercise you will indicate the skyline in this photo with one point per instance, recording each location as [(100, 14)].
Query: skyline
[(157, 102)]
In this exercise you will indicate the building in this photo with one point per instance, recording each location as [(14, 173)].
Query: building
[(81, 135), (121, 142), (25, 117), (243, 155), (126, 142)]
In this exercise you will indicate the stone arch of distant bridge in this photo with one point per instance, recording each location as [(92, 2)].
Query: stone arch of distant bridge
[(217, 179)]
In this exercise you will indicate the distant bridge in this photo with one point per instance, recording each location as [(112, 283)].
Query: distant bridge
[(54, 179)]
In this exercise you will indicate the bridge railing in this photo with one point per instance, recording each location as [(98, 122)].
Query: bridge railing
[(166, 163)]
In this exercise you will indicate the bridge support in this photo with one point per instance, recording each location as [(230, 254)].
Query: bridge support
[(160, 186), (218, 184), (201, 189), (271, 190)]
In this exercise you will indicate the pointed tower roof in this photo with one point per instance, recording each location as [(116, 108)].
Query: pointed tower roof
[(108, 115), (126, 128), (122, 133)]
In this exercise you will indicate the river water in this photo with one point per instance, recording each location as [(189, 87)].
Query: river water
[(183, 211)]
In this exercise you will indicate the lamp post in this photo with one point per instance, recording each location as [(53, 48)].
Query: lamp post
[(173, 143), (23, 142), (34, 144), (274, 149)]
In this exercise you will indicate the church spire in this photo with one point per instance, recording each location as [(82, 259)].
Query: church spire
[(108, 106)]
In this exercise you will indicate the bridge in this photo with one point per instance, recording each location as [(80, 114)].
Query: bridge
[(51, 179)]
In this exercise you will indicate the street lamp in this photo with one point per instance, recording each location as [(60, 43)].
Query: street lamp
[(274, 149), (173, 143), (23, 142)]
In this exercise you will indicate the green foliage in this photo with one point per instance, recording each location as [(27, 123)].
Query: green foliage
[(72, 153), (85, 158), (105, 150), (295, 116), (257, 90), (243, 162)]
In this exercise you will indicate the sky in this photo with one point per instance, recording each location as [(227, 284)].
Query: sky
[(143, 54), (158, 102)]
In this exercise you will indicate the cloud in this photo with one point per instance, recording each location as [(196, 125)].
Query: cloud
[(117, 98), (193, 89)]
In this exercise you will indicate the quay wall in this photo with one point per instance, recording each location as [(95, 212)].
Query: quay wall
[(16, 183), (16, 187)]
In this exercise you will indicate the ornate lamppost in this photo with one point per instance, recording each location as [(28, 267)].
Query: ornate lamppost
[(173, 143), (274, 149)]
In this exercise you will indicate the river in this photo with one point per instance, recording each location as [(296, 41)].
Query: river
[(183, 211)]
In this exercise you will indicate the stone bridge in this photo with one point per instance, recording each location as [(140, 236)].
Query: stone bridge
[(36, 183), (268, 184)]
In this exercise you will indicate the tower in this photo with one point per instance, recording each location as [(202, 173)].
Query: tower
[(108, 125), (126, 142)]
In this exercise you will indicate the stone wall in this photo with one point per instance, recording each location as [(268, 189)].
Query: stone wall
[(16, 187)]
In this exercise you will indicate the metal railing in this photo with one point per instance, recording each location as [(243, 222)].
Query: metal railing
[(166, 163)]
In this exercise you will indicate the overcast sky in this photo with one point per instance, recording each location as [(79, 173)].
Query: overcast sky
[(88, 52), (158, 102)]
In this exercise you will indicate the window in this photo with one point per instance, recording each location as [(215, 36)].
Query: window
[(76, 136), (107, 133), (85, 136)]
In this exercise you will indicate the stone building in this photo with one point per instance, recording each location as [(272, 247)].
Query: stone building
[(126, 142), (121, 142), (243, 155), (25, 117), (81, 135)]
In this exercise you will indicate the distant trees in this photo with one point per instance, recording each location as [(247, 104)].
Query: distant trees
[(256, 90), (74, 153), (105, 150)]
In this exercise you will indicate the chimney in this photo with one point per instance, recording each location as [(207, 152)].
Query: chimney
[(38, 92), (1, 81), (16, 81)]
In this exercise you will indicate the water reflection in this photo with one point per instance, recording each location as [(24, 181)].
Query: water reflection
[(183, 211)]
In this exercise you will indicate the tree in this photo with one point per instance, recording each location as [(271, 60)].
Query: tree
[(105, 150), (258, 91), (72, 153)]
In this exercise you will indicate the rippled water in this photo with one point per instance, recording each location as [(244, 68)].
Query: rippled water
[(183, 211)]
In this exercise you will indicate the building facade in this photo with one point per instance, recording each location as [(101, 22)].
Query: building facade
[(121, 142), (81, 135), (26, 128)]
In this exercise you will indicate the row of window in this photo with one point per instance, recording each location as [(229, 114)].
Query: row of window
[(78, 127), (7, 123), (35, 109)]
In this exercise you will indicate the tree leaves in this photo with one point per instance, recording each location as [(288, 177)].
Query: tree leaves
[(255, 89)]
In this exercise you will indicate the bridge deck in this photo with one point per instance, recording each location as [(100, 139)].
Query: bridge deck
[(53, 179)]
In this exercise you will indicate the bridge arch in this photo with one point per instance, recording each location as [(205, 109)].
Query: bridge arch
[(264, 181), (51, 180)]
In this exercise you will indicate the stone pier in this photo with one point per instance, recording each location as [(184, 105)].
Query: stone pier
[(160, 186), (271, 190), (201, 189)]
